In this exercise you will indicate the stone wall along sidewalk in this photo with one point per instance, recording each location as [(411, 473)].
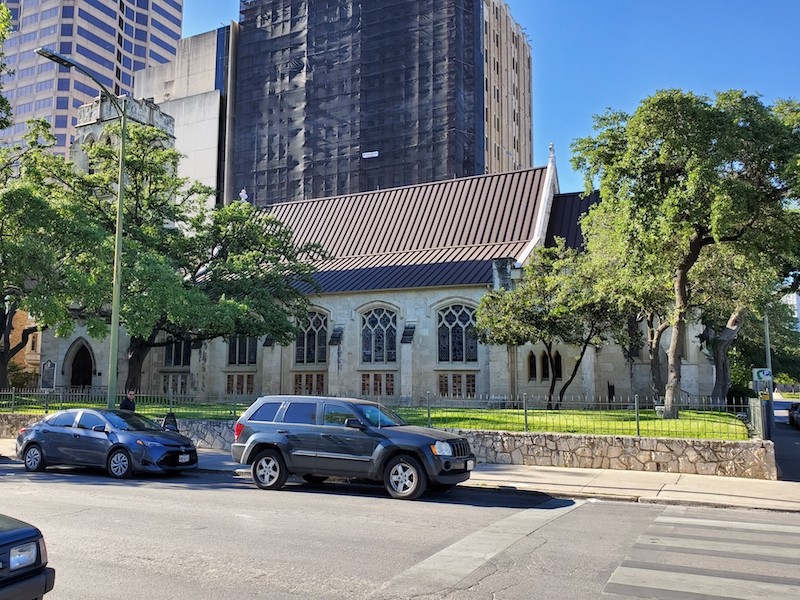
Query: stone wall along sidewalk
[(752, 458)]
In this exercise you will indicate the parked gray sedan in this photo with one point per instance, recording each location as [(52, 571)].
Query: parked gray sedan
[(120, 441)]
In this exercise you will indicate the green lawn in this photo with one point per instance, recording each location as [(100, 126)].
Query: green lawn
[(690, 424), (702, 424)]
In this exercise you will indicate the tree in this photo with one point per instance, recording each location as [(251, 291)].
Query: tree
[(51, 255), (555, 302), (683, 173), (5, 105), (190, 273)]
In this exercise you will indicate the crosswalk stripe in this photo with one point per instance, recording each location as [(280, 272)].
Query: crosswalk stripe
[(729, 525), (754, 542), (691, 583), (742, 550)]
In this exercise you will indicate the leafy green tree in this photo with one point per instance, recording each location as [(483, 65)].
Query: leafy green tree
[(554, 303), (5, 105), (683, 173), (189, 272)]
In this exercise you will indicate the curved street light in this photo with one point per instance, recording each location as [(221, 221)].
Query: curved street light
[(115, 302)]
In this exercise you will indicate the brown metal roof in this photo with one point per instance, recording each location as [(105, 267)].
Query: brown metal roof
[(436, 234), (565, 217)]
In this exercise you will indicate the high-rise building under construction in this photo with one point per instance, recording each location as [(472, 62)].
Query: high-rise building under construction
[(341, 96)]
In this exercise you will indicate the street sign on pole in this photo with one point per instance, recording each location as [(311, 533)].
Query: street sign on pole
[(760, 375)]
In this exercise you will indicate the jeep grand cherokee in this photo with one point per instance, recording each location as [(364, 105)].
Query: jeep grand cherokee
[(321, 437)]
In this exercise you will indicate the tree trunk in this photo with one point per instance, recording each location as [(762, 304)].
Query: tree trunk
[(4, 382), (7, 351), (137, 352), (673, 392), (585, 345), (548, 348), (654, 335), (720, 344)]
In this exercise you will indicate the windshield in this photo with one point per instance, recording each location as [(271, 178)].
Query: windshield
[(132, 422), (379, 416)]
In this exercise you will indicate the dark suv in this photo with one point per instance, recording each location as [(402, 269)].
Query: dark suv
[(24, 574), (321, 437)]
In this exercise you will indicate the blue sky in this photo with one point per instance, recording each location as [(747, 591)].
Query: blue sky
[(590, 55)]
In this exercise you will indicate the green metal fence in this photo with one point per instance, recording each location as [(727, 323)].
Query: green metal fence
[(696, 418)]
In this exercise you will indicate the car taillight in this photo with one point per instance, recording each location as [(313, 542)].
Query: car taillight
[(237, 431), (23, 430)]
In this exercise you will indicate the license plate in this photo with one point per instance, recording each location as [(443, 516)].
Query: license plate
[(183, 458), (470, 465)]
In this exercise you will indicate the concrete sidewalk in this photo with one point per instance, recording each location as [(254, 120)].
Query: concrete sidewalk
[(637, 486)]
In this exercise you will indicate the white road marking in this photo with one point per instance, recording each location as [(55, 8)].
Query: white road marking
[(447, 567)]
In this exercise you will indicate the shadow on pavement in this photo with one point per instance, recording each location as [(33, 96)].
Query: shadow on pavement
[(787, 451), (460, 495), (98, 477)]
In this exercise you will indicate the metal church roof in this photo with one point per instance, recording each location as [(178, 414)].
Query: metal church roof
[(437, 234)]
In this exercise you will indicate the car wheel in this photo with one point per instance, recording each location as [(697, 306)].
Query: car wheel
[(404, 478), (33, 458), (269, 470), (314, 479), (119, 464)]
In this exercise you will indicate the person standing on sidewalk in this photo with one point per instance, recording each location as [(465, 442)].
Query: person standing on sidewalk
[(129, 402)]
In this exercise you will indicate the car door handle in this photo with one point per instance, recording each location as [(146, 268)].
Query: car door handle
[(283, 431), (76, 435)]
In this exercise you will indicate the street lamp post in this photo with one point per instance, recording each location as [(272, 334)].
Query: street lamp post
[(115, 302)]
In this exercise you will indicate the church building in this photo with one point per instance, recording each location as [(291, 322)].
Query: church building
[(393, 318)]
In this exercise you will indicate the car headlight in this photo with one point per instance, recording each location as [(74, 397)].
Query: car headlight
[(23, 556), (149, 444), (442, 449)]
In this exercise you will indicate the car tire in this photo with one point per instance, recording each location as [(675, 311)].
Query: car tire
[(119, 464), (314, 479), (269, 470), (404, 478), (34, 458)]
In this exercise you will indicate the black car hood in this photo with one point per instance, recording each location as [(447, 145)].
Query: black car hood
[(14, 530)]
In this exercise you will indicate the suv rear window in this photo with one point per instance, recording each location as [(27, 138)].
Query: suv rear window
[(266, 412), (301, 412)]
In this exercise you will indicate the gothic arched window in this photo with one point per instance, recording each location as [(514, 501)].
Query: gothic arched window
[(311, 343), (379, 336), (531, 366), (456, 334)]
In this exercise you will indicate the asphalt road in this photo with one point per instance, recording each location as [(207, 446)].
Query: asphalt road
[(787, 443), (213, 536)]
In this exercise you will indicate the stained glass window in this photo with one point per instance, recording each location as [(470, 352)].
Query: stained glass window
[(379, 336), (456, 338), (310, 344)]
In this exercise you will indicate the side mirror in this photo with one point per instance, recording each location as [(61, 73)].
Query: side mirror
[(170, 427), (100, 429), (354, 424)]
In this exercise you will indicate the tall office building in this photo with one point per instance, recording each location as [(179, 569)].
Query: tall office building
[(344, 96), (112, 38)]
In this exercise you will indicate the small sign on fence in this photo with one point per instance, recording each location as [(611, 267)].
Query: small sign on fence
[(48, 375)]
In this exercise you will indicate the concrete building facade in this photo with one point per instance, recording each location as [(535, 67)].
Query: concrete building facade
[(113, 39), (197, 90)]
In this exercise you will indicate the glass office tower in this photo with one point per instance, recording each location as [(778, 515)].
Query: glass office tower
[(343, 96), (112, 38)]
